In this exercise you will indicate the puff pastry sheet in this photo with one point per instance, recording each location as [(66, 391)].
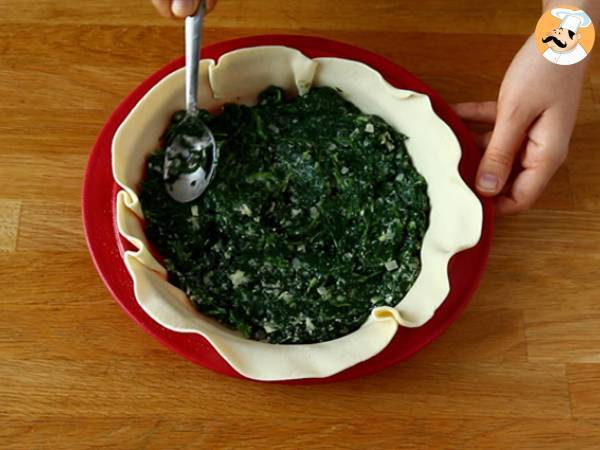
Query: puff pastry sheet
[(238, 76)]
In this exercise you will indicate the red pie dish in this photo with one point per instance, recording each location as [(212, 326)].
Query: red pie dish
[(109, 248)]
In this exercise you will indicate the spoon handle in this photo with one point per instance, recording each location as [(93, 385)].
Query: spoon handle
[(193, 37)]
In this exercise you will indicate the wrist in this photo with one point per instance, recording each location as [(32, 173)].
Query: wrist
[(575, 71)]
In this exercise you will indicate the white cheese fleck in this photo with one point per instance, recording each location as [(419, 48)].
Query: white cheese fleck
[(270, 327), (244, 210), (314, 212), (344, 170), (238, 278), (194, 210), (195, 222), (286, 296), (296, 263), (391, 265), (323, 291), (310, 327), (207, 278), (295, 212), (388, 235), (301, 248), (369, 128)]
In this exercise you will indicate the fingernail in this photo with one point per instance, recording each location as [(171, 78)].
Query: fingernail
[(181, 8), (488, 183)]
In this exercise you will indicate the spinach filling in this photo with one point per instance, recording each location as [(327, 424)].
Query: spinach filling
[(316, 216)]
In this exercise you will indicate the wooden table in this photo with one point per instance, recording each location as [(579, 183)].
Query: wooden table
[(520, 369)]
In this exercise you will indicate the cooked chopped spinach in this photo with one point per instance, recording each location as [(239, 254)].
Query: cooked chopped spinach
[(316, 216)]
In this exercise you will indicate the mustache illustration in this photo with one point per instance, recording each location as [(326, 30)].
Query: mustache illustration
[(556, 41)]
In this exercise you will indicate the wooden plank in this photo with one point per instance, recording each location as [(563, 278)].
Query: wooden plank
[(529, 284), (82, 332), (431, 15), (56, 280), (57, 131), (537, 434), (57, 177), (567, 333), (111, 45), (50, 226), (558, 194), (106, 80), (147, 432), (482, 336), (584, 388), (10, 211), (494, 336), (49, 82), (557, 295), (415, 389), (548, 232), (584, 164)]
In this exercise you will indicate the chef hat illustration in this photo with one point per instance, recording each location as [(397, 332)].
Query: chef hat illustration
[(572, 20)]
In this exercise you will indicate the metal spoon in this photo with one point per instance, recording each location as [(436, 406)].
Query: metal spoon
[(191, 160)]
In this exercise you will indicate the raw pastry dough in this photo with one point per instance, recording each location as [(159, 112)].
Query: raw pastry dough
[(455, 221)]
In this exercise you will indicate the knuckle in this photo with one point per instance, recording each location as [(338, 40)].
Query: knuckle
[(544, 154), (498, 157), (512, 111), (507, 206), (526, 204), (524, 199), (522, 205), (509, 210)]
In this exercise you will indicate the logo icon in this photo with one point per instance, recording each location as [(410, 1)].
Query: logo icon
[(565, 35)]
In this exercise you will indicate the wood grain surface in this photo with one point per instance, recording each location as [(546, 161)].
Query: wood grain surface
[(520, 369)]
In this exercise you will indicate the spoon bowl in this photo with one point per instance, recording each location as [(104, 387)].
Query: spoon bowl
[(190, 163)]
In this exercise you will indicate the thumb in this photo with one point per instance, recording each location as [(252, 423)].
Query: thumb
[(184, 8), (210, 5), (507, 137)]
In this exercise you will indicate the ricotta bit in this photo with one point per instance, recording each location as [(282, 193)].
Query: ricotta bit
[(316, 216)]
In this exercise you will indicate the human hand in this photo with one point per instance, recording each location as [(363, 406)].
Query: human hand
[(532, 124), (180, 8)]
